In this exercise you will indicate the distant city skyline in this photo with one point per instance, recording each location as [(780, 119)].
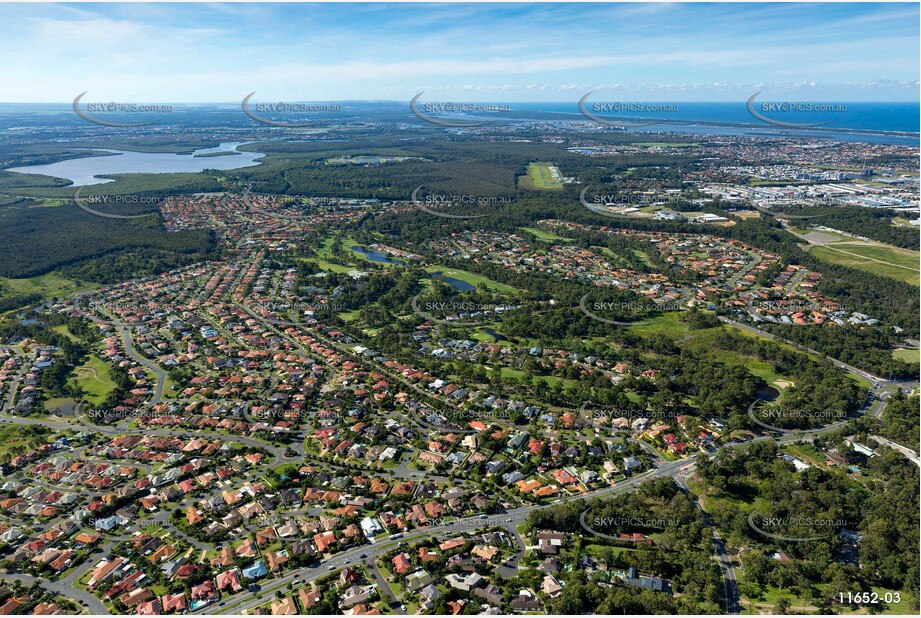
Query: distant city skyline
[(218, 53)]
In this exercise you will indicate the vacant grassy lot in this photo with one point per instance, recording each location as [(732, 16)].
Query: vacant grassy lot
[(544, 235), (908, 355), (15, 439), (65, 331), (664, 323), (51, 285), (94, 380), (879, 259)]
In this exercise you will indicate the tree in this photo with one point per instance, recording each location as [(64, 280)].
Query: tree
[(782, 606)]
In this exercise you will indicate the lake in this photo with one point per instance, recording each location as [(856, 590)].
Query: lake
[(458, 284), (375, 256), (86, 170)]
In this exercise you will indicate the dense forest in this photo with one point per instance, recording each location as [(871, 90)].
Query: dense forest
[(817, 504), (35, 240), (861, 346), (873, 223), (900, 422), (680, 553)]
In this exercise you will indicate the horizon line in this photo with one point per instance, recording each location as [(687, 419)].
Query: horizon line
[(466, 101)]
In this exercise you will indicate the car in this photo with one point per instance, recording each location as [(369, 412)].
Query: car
[(363, 556), (484, 516), (222, 604), (296, 575), (509, 520), (331, 567), (347, 561)]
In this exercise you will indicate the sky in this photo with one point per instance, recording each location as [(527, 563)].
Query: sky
[(220, 52)]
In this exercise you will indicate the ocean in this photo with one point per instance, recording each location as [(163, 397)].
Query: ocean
[(862, 116)]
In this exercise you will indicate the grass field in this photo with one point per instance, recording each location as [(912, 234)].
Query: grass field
[(544, 235), (14, 439), (518, 374), (643, 256), (876, 258), (471, 278), (904, 607), (770, 595), (483, 337), (539, 177), (349, 316), (666, 323), (861, 381), (908, 355), (606, 251), (51, 285), (595, 549), (64, 331), (94, 380), (325, 258)]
